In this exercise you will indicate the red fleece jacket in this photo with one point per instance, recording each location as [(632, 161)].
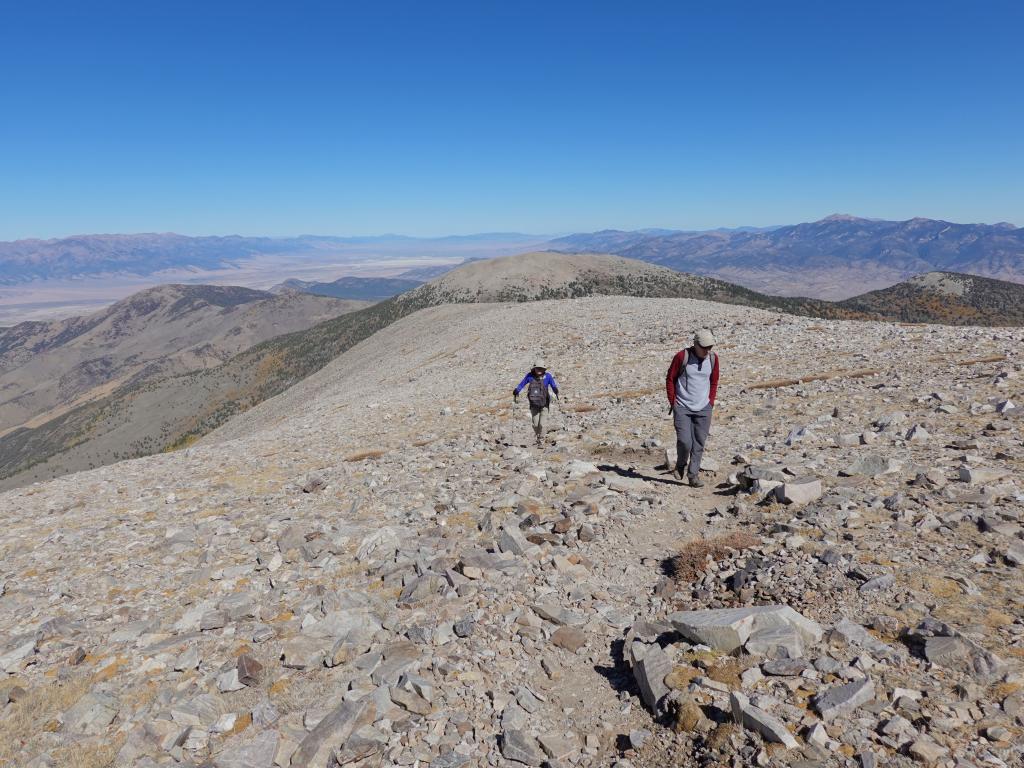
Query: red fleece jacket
[(673, 373)]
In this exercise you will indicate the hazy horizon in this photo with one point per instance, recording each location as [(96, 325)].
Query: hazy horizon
[(494, 234)]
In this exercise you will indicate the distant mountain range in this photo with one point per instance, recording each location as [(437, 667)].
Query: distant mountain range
[(140, 415), (90, 255), (835, 258), (148, 254)]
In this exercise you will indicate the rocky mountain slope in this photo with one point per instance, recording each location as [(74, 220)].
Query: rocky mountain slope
[(835, 258), (373, 569), (552, 275), (144, 417), (162, 413), (351, 287), (946, 297), (154, 333)]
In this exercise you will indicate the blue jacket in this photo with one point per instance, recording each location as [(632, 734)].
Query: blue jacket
[(549, 381)]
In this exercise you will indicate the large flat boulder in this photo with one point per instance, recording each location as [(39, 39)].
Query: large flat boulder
[(727, 629)]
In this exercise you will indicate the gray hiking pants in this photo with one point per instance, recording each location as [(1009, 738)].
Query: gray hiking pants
[(692, 428), (538, 416)]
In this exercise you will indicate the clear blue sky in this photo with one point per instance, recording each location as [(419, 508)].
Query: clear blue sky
[(454, 117)]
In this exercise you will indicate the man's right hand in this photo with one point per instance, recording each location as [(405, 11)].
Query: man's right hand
[(515, 397)]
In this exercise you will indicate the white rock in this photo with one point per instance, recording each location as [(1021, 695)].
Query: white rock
[(980, 475), (799, 492), (756, 719), (727, 629)]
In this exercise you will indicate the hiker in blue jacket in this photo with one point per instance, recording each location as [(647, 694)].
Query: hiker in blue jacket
[(537, 381)]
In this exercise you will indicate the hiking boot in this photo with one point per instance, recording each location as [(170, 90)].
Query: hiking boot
[(678, 473), (696, 482)]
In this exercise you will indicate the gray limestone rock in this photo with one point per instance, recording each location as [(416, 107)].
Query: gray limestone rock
[(842, 699), (799, 491), (1014, 554), (851, 633), (872, 465), (521, 747), (557, 746), (780, 642), (317, 749), (727, 629), (512, 541), (12, 658), (650, 672), (91, 714), (927, 751), (213, 620), (247, 751), (756, 719), (878, 583), (303, 652), (784, 667), (946, 651), (228, 681), (422, 589), (556, 614), (980, 475)]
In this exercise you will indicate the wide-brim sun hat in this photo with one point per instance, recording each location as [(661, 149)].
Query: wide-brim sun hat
[(539, 364), (705, 337)]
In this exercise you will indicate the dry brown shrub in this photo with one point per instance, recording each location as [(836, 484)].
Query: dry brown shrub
[(95, 754), (363, 455), (777, 383), (490, 410), (986, 359), (22, 722), (628, 394), (722, 735), (692, 559), (727, 671), (582, 408)]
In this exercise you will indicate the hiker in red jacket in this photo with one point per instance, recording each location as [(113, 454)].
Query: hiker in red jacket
[(691, 385)]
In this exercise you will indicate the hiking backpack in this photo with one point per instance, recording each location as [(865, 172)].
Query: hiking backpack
[(712, 358), (537, 393)]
